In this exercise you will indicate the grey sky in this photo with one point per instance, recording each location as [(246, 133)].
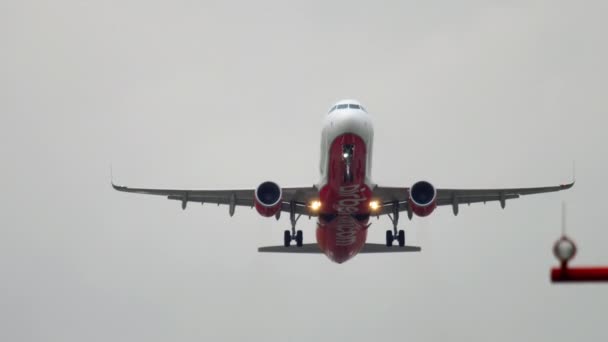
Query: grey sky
[(226, 94)]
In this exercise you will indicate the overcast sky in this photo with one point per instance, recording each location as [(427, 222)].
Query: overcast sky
[(218, 94)]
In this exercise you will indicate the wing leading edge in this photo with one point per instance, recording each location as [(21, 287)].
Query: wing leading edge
[(390, 196), (301, 196)]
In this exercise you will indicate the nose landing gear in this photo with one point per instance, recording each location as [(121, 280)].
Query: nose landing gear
[(347, 156), (392, 235)]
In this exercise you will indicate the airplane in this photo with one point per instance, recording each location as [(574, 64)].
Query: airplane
[(345, 197)]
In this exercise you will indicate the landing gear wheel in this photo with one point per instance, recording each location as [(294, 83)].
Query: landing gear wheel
[(389, 238), (299, 238), (401, 238), (287, 238)]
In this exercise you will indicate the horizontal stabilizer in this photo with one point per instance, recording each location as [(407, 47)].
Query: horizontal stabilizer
[(380, 248), (313, 248), (307, 248)]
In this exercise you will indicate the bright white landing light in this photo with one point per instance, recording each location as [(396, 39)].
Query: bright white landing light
[(315, 205), (374, 205)]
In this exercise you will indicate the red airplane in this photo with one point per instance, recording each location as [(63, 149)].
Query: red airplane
[(345, 197)]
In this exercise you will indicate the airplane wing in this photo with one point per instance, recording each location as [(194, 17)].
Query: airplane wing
[(301, 196), (390, 196)]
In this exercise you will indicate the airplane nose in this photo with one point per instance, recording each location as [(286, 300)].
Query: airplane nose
[(354, 121)]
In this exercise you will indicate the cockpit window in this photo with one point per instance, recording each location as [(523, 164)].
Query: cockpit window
[(347, 105)]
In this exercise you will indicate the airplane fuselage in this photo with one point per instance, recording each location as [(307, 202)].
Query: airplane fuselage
[(345, 189)]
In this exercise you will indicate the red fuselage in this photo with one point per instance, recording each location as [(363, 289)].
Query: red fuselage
[(344, 215)]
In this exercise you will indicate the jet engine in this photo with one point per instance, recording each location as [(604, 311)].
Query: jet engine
[(423, 198), (268, 197)]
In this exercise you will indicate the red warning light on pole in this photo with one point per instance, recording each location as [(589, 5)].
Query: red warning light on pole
[(564, 250)]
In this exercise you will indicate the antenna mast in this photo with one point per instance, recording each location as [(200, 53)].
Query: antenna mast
[(563, 218)]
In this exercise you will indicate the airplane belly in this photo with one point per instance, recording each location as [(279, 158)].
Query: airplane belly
[(344, 215), (329, 236)]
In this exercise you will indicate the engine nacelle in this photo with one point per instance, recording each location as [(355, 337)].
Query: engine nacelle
[(267, 198), (423, 198)]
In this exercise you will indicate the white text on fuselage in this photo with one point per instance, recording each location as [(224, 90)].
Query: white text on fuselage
[(349, 199)]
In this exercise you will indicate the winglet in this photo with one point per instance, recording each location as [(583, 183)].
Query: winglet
[(573, 181), (116, 187), (112, 176)]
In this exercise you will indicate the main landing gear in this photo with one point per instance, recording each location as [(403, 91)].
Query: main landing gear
[(392, 235), (293, 235)]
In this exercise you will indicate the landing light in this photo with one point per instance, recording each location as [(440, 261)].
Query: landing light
[(345, 155), (315, 205), (374, 205)]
